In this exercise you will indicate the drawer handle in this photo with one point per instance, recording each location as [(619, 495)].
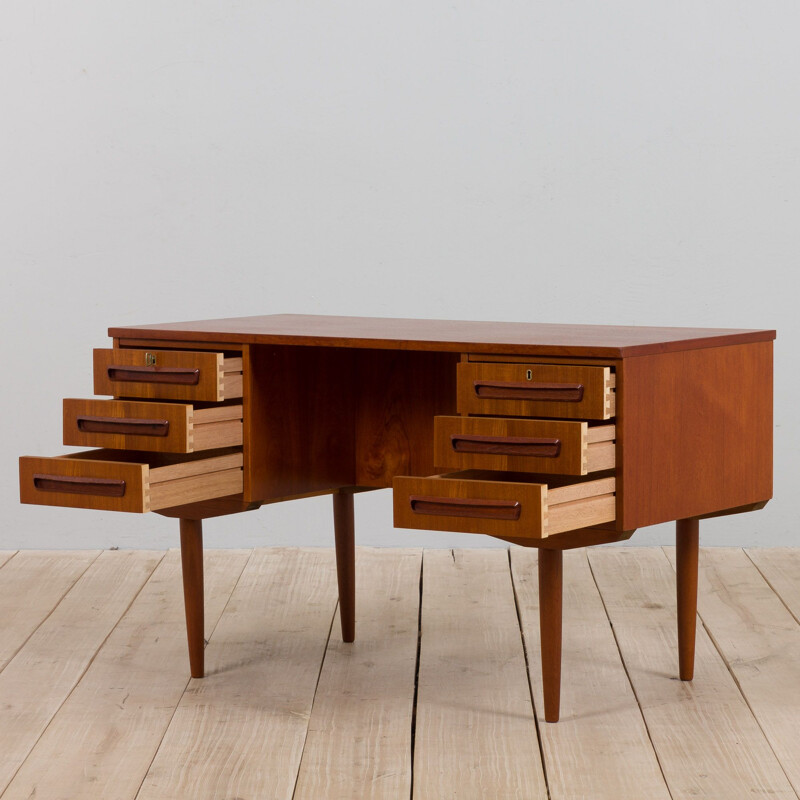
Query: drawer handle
[(124, 426), (186, 376), (465, 507), (506, 445), (67, 484), (558, 392)]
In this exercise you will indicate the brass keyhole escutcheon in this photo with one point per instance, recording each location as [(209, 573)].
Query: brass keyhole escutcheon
[(529, 374), (150, 359)]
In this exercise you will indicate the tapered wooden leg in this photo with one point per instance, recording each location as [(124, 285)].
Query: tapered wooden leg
[(687, 547), (192, 564), (344, 534), (550, 588)]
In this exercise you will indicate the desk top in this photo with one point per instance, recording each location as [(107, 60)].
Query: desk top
[(523, 338)]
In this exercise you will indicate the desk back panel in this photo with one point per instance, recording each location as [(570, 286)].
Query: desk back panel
[(399, 394), (319, 418), (299, 421)]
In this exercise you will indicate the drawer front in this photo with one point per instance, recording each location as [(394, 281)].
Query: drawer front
[(523, 445), (167, 374), (536, 390), (127, 424), (127, 480), (157, 427), (505, 508)]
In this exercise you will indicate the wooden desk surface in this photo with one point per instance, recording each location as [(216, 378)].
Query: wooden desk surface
[(589, 341)]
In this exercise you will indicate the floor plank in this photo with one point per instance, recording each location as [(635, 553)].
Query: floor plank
[(31, 585), (780, 567), (45, 670), (759, 640), (239, 732), (708, 742), (475, 729), (359, 734), (104, 738), (600, 747), (5, 555)]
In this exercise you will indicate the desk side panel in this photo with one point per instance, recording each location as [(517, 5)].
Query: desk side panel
[(694, 432)]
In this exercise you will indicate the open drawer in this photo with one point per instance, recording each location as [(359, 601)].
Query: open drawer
[(118, 480), (167, 374), (160, 427), (502, 504), (556, 447)]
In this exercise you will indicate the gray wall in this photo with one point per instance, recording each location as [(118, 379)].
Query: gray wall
[(618, 162)]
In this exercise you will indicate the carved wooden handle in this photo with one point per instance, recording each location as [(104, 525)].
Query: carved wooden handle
[(186, 376), (466, 507), (67, 484), (501, 390), (119, 425), (506, 445)]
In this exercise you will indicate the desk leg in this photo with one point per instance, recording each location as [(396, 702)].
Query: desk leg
[(686, 552), (550, 590), (192, 564), (344, 534)]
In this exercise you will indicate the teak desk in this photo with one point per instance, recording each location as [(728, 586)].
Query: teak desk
[(548, 436)]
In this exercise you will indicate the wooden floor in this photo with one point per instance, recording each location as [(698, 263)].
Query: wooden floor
[(439, 697)]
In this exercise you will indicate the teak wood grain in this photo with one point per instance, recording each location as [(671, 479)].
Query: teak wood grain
[(341, 405), (176, 374), (504, 508), (570, 448), (454, 336), (399, 394), (298, 421), (571, 392), (125, 480), (157, 427), (695, 431)]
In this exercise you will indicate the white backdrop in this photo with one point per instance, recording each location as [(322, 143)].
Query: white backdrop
[(618, 162)]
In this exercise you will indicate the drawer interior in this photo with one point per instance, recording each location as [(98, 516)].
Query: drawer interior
[(217, 426)]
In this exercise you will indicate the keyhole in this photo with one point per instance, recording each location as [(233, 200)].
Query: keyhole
[(529, 374)]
